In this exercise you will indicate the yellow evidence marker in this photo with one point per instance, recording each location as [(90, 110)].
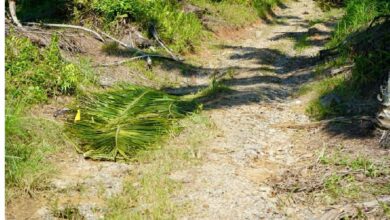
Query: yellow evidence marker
[(78, 116)]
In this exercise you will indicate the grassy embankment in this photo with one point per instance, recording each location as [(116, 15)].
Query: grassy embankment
[(366, 49)]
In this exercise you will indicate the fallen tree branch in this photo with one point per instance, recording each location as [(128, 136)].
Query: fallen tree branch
[(12, 11), (157, 38), (122, 43), (320, 123), (145, 56), (97, 35), (343, 69), (377, 18)]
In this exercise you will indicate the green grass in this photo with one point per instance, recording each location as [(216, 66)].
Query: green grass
[(341, 186), (29, 141), (350, 184), (181, 31), (216, 87), (301, 43), (232, 13), (365, 48), (357, 163), (321, 88), (358, 14), (34, 76)]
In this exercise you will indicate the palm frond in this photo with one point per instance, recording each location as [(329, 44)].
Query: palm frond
[(118, 123)]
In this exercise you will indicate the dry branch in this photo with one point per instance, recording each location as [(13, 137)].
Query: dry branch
[(12, 11), (97, 35), (145, 56), (157, 38)]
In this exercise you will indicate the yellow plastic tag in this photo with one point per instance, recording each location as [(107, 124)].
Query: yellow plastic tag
[(78, 116)]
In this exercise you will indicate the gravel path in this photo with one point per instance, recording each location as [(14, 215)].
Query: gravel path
[(232, 181)]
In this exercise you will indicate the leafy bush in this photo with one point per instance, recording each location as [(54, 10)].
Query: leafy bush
[(179, 29), (118, 123), (33, 75)]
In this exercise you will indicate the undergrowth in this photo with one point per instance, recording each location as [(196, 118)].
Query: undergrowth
[(33, 76), (181, 30), (354, 42), (354, 177)]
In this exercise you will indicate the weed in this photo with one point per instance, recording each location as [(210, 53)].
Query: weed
[(341, 186), (28, 142), (302, 43), (34, 75)]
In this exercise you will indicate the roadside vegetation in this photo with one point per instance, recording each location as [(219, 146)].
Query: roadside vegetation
[(181, 24), (35, 76), (361, 43)]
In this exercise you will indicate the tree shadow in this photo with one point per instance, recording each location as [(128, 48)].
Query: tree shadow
[(279, 62)]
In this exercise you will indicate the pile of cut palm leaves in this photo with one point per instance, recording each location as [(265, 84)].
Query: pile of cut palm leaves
[(117, 124)]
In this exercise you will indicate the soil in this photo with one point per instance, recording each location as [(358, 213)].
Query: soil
[(244, 167)]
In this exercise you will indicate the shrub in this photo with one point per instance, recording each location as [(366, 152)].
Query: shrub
[(179, 29), (33, 75)]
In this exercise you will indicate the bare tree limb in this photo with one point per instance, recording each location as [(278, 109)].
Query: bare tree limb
[(157, 38), (145, 56), (12, 11), (97, 35), (122, 43)]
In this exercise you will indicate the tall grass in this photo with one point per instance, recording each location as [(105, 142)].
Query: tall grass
[(182, 31), (33, 76), (358, 14)]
